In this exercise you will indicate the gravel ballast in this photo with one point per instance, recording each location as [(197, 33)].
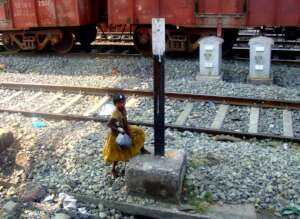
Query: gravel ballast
[(136, 73), (66, 156)]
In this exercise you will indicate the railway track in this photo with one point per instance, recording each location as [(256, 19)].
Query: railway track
[(183, 111)]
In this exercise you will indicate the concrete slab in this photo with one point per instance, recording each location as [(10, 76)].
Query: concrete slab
[(184, 114), (233, 212), (220, 116), (287, 119), (157, 177), (254, 120)]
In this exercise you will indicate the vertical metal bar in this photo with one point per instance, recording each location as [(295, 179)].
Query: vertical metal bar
[(159, 105)]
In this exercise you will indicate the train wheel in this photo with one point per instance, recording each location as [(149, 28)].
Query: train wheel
[(86, 35), (66, 44), (142, 40)]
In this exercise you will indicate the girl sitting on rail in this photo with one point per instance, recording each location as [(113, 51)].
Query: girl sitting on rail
[(113, 150)]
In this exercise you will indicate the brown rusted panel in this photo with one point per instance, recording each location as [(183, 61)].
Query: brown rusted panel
[(88, 11), (273, 13), (178, 12), (261, 13), (233, 6), (225, 21), (221, 6), (118, 11), (288, 13), (25, 14), (67, 12), (47, 12), (5, 19), (226, 14), (145, 10), (209, 6), (142, 11)]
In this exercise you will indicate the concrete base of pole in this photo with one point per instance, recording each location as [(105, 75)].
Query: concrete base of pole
[(157, 177)]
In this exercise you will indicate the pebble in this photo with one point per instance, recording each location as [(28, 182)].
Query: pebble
[(10, 207), (102, 215)]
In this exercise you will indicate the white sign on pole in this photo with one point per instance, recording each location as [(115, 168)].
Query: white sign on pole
[(158, 36)]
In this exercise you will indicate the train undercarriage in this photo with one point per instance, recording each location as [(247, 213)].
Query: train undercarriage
[(178, 39), (61, 40)]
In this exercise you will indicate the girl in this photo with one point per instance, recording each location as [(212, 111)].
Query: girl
[(112, 152)]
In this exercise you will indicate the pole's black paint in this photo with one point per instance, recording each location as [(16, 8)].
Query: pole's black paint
[(159, 105)]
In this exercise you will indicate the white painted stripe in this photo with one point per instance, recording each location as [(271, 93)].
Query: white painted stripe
[(97, 106), (287, 123), (220, 116), (57, 96), (254, 119), (69, 104), (184, 114), (11, 97)]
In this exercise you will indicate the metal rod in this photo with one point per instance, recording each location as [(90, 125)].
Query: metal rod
[(159, 105)]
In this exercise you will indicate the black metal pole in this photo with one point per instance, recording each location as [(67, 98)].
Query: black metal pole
[(159, 105)]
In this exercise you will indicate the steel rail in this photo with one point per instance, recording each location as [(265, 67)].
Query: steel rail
[(239, 101), (55, 116)]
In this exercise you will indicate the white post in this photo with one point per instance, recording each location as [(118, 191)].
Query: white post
[(260, 60), (210, 56)]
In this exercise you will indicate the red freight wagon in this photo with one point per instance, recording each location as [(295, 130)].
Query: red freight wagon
[(188, 20), (274, 13), (32, 24)]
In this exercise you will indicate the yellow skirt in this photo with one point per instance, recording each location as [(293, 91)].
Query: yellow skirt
[(112, 152)]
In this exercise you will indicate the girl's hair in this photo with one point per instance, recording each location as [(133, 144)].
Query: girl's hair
[(119, 98)]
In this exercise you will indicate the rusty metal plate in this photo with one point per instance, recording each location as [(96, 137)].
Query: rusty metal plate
[(25, 14)]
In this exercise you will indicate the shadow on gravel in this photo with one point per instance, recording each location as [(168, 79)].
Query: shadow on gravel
[(8, 160)]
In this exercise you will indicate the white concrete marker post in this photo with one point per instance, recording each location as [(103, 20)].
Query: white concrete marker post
[(260, 60), (210, 56)]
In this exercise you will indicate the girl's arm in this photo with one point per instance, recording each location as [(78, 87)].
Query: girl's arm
[(112, 124)]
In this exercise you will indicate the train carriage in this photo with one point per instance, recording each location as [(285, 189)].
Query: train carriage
[(32, 24), (188, 20)]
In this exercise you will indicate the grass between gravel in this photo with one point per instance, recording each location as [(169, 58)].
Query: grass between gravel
[(203, 203)]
